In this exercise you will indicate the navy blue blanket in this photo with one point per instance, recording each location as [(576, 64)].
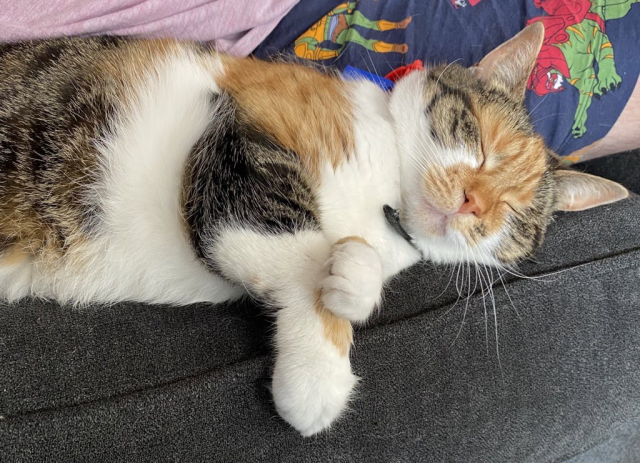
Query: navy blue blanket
[(584, 75)]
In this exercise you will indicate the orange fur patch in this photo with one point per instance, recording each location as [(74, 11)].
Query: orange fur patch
[(302, 109), (520, 159), (14, 256), (337, 330)]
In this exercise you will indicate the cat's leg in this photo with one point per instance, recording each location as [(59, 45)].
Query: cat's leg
[(312, 378), (353, 288)]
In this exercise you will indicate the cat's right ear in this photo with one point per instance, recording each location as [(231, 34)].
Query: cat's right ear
[(577, 191), (509, 65)]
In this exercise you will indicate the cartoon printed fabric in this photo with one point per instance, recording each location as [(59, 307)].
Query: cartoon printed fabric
[(585, 72)]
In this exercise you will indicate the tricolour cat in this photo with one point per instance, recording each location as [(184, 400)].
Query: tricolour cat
[(163, 172)]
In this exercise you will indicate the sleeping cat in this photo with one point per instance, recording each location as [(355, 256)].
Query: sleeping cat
[(162, 172)]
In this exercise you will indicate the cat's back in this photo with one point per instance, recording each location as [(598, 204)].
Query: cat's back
[(52, 106), (94, 134)]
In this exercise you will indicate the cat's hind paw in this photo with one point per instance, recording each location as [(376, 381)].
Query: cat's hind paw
[(354, 285)]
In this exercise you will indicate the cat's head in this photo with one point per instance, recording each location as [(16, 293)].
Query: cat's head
[(478, 182)]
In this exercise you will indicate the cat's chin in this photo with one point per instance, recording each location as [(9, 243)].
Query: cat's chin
[(433, 226), (451, 248), (424, 219)]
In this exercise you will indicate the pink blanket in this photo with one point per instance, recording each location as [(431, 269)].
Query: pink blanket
[(234, 26)]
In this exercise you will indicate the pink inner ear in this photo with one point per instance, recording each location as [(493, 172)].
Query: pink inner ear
[(578, 191), (510, 64)]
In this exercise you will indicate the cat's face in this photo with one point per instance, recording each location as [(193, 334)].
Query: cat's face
[(478, 183)]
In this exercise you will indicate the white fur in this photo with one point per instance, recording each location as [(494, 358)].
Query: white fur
[(352, 196), (15, 279), (142, 252), (453, 247), (354, 285), (312, 381)]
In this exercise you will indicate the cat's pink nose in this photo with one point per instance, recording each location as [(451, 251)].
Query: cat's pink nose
[(471, 204)]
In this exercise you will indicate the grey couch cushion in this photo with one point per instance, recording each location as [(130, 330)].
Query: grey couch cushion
[(137, 383), (623, 168), (622, 447)]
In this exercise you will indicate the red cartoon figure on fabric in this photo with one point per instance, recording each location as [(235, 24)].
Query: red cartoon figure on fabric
[(574, 42)]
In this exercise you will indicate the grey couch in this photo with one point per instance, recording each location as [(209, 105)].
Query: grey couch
[(131, 382)]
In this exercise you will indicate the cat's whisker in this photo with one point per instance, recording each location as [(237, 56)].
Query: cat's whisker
[(372, 63), (458, 265), (546, 117), (469, 294), (458, 288), (425, 149), (540, 277), (509, 296), (495, 316), (452, 266), (431, 149), (514, 271), (536, 107), (445, 69), (480, 279), (486, 318)]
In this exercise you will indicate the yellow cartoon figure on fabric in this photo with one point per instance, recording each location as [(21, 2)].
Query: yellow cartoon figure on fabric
[(336, 27)]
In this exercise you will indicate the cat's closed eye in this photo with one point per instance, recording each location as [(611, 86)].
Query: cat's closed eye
[(485, 183)]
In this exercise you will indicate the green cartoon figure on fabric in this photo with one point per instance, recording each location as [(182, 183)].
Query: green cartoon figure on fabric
[(576, 48), (336, 27)]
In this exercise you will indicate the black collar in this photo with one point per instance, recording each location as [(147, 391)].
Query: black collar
[(393, 218)]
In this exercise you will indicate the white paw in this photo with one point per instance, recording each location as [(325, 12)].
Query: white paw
[(310, 397), (354, 285)]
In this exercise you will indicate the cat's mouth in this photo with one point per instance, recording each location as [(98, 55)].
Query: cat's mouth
[(423, 219), (434, 220)]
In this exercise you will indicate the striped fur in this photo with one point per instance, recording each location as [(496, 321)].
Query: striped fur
[(468, 135)]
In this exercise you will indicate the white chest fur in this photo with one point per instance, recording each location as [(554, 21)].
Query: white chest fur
[(353, 195)]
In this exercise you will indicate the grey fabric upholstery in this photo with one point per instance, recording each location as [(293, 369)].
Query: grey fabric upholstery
[(131, 382), (623, 168)]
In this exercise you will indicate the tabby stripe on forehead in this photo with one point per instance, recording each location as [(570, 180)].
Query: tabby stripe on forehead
[(454, 123), (468, 127), (448, 91)]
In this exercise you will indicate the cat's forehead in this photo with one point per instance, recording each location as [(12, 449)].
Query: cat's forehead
[(454, 98), (488, 125)]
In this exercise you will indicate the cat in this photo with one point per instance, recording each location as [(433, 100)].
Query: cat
[(162, 172)]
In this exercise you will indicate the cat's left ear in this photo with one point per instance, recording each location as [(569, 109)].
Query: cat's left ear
[(578, 191), (509, 65)]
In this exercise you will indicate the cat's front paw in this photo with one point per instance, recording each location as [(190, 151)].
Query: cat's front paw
[(354, 285), (310, 395)]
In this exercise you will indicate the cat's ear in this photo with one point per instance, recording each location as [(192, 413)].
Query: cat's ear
[(509, 65), (578, 191)]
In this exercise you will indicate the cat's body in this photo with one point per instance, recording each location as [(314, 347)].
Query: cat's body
[(162, 172), (176, 194), (125, 213)]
